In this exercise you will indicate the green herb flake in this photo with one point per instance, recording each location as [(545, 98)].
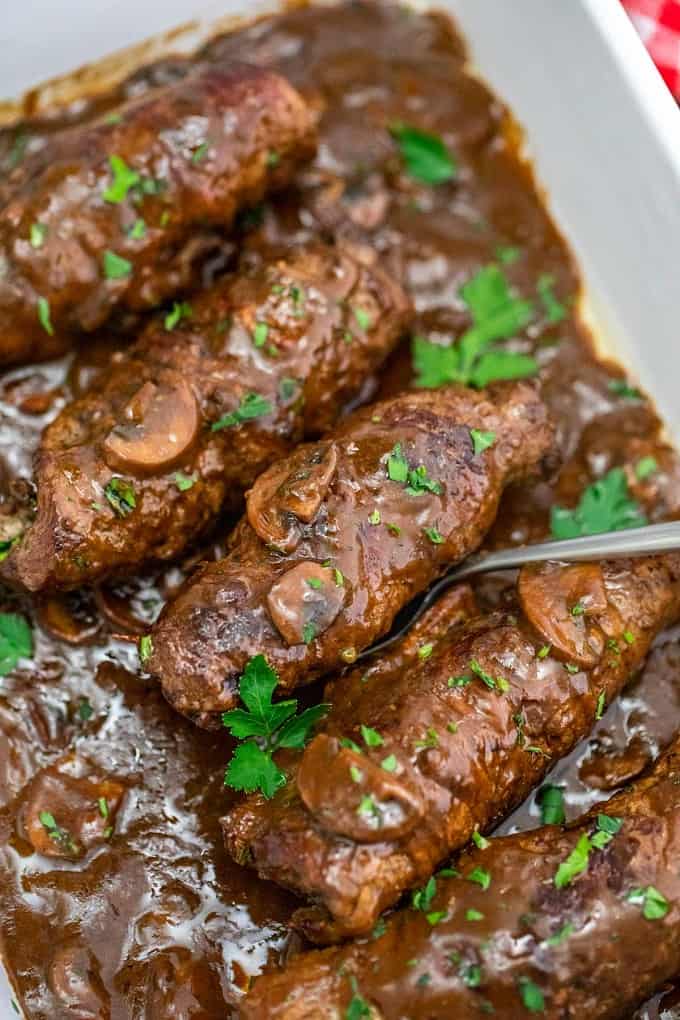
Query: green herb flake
[(123, 180), (394, 530), (44, 316), (121, 496), (551, 802), (145, 648), (458, 681), (421, 899), (629, 637), (308, 633), (481, 876), (338, 577), (474, 915), (346, 742), (379, 929), (288, 388), (561, 936), (260, 334), (16, 641), (180, 310), (252, 405), (543, 652), (531, 995), (137, 231), (371, 737), (601, 702), (199, 154), (103, 805), (507, 255), (263, 727), (85, 710), (184, 482), (621, 388), (38, 235), (115, 266), (481, 441), (471, 975), (356, 774), (374, 517), (367, 807), (645, 467), (389, 764), (426, 158), (485, 677), (554, 310), (315, 583), (606, 505), (578, 610), (434, 536), (575, 864), (654, 904), (273, 158), (480, 841), (430, 740), (425, 651), (397, 465), (362, 317)]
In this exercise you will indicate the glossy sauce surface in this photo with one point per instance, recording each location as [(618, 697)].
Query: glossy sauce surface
[(153, 920)]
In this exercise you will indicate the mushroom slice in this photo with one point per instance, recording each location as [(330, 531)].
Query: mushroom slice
[(304, 602), (282, 498), (160, 424), (563, 603), (353, 796)]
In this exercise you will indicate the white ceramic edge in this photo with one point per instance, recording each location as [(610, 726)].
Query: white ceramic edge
[(629, 123)]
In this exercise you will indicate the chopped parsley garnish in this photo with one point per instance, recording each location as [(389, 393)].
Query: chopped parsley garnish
[(62, 837), (371, 737), (600, 707), (85, 710), (362, 317), (474, 915), (16, 641), (358, 1008), (184, 482), (308, 633), (368, 807), (273, 158), (575, 864), (531, 995), (180, 310), (481, 441), (38, 235), (252, 405), (356, 775), (481, 876), (315, 583), (374, 517), (621, 388), (200, 153), (145, 648), (137, 231), (561, 935), (288, 388), (415, 479), (389, 763), (480, 841), (554, 310), (260, 334), (459, 681), (654, 904), (430, 740), (44, 316), (422, 898), (425, 651), (426, 157), (435, 916), (121, 496), (606, 505), (551, 801), (434, 536), (379, 929), (263, 728), (103, 806), (123, 180), (115, 266), (485, 677), (645, 467), (497, 314), (508, 255)]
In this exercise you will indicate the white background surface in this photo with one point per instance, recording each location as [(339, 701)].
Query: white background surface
[(603, 130)]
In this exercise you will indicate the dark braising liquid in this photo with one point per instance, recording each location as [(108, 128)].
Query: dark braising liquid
[(159, 923)]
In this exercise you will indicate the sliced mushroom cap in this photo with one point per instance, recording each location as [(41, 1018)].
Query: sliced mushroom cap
[(563, 604), (305, 601), (284, 495), (159, 425), (353, 796)]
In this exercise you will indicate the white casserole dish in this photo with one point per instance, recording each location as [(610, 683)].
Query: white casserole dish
[(602, 131)]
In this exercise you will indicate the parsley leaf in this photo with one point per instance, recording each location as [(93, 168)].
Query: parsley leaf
[(481, 876), (416, 479), (551, 800), (421, 899), (121, 496), (575, 864), (115, 266), (44, 316), (481, 441), (531, 995), (654, 904), (38, 235), (180, 310), (425, 156), (358, 1008), (497, 314), (252, 405), (145, 648), (606, 505), (184, 482), (264, 727), (123, 180), (554, 310), (16, 641)]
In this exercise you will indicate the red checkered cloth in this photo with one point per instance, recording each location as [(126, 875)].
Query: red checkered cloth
[(658, 22)]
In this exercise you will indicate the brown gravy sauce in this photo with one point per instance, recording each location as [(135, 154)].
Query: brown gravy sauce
[(158, 922)]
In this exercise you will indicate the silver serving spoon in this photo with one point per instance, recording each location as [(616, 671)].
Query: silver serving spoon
[(653, 538)]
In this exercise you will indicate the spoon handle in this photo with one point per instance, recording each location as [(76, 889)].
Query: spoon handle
[(645, 541)]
